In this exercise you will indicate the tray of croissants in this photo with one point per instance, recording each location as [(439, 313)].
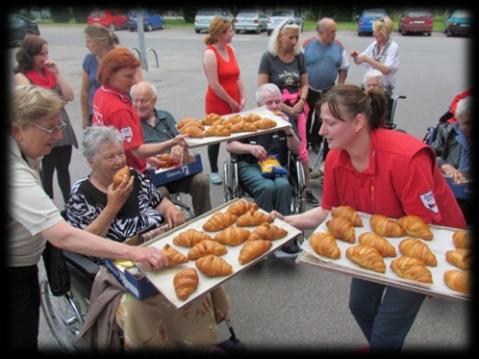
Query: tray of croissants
[(214, 247), (405, 252), (214, 128)]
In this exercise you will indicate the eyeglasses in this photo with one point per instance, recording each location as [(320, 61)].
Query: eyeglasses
[(288, 22), (60, 127), (143, 101), (271, 102)]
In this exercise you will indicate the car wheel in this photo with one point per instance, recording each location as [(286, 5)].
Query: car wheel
[(112, 27), (428, 33), (237, 31), (270, 32), (197, 31), (448, 33)]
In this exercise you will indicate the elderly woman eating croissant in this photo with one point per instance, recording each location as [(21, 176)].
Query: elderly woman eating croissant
[(119, 202)]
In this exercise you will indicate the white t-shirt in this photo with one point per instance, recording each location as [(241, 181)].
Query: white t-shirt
[(390, 58), (31, 211)]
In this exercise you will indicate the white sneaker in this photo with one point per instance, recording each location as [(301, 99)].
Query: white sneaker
[(215, 178)]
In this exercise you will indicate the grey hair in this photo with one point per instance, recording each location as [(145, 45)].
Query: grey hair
[(96, 136), (141, 84), (264, 89), (30, 103), (273, 41), (372, 73), (463, 106)]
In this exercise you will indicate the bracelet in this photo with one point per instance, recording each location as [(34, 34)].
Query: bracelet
[(290, 135), (302, 98)]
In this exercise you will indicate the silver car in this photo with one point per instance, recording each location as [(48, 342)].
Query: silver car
[(251, 20), (203, 18), (278, 16)]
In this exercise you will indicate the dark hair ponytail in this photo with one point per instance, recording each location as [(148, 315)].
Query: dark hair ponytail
[(378, 108)]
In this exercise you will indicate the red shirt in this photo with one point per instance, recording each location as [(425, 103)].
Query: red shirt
[(228, 75), (402, 178), (112, 108)]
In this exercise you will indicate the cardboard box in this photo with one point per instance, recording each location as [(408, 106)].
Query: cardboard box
[(136, 284), (460, 190), (164, 176)]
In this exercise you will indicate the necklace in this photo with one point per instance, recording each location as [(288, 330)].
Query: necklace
[(379, 54)]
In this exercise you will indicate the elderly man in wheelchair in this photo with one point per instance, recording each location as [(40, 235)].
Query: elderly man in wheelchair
[(269, 186), (119, 210)]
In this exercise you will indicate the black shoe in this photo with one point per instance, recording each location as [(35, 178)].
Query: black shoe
[(291, 248), (311, 199)]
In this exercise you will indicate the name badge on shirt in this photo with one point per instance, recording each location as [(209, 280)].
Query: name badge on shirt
[(429, 201), (127, 133)]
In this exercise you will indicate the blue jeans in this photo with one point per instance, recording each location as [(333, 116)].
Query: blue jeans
[(268, 194), (384, 320)]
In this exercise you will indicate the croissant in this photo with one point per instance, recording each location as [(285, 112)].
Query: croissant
[(189, 121), (241, 206), (460, 258), (253, 249), (193, 131), (174, 257), (253, 218), (379, 242), (206, 247), (457, 280), (384, 226), (185, 282), (325, 244), (232, 236), (168, 159), (461, 239), (234, 119), (218, 130), (415, 227), (219, 221), (341, 228), (252, 117), (268, 232), (211, 119), (367, 257), (190, 237), (349, 213), (411, 268), (265, 123), (213, 266), (119, 175), (413, 247)]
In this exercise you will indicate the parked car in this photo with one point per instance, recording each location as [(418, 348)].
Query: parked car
[(203, 18), (152, 20), (416, 21), (459, 23), (113, 19), (278, 16), (365, 21), (251, 20), (20, 26)]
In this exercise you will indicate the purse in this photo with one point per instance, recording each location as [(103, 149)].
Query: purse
[(56, 269)]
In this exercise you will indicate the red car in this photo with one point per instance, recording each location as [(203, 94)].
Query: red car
[(113, 19), (416, 21)]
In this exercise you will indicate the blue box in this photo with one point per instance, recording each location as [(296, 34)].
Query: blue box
[(140, 287), (460, 190), (162, 177)]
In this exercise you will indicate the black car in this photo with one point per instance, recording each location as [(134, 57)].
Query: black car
[(20, 26)]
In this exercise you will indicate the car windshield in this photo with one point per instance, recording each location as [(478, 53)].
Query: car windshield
[(418, 13), (460, 13), (282, 13), (97, 13), (247, 14), (209, 12), (374, 13)]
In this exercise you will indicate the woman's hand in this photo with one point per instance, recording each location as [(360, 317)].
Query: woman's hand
[(173, 215), (242, 103), (235, 106), (177, 154), (179, 140), (276, 214), (51, 66), (116, 197), (450, 171), (149, 257), (298, 107), (258, 151)]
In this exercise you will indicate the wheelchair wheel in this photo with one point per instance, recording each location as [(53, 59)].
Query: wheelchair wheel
[(64, 314)]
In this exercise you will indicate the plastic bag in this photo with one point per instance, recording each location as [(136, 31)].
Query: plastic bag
[(271, 167)]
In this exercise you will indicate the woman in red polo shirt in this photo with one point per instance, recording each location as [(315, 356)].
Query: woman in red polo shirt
[(112, 106), (378, 171)]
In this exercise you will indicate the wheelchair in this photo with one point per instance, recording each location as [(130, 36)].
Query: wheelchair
[(64, 312), (233, 189)]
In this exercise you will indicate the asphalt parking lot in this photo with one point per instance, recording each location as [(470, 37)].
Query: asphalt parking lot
[(278, 303)]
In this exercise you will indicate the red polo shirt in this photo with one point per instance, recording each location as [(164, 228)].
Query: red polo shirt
[(113, 108), (402, 178)]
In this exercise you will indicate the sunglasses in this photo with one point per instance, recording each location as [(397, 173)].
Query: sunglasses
[(56, 129), (288, 22)]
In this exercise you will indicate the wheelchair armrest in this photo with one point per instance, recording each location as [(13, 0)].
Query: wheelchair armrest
[(82, 263)]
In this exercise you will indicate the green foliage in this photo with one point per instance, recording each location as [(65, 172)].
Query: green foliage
[(61, 13)]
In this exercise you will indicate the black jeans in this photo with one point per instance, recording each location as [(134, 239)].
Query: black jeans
[(59, 158), (213, 151), (313, 135), (23, 308)]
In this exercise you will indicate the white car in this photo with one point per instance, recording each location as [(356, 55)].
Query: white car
[(251, 20), (278, 16), (203, 18)]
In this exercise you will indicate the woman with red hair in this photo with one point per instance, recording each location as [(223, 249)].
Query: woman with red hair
[(112, 106)]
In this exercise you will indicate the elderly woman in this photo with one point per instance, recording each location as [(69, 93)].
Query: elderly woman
[(99, 40), (129, 209), (378, 171), (35, 125), (382, 54), (112, 106), (36, 68), (225, 93), (116, 212), (284, 65)]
